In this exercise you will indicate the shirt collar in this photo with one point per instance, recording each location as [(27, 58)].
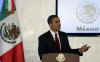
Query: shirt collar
[(53, 33)]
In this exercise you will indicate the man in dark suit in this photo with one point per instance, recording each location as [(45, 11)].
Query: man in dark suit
[(56, 41)]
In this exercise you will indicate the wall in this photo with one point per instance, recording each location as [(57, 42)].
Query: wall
[(32, 15)]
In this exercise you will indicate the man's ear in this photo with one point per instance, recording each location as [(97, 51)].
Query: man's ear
[(50, 24)]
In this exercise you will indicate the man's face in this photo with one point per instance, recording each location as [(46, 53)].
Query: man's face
[(55, 25)]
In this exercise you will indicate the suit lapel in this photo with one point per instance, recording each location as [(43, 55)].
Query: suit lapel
[(50, 37)]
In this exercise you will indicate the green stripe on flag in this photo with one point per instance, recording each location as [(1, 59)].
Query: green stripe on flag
[(3, 13), (5, 5), (4, 9)]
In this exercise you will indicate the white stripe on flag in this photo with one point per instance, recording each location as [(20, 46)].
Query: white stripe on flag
[(4, 47), (11, 52), (9, 5)]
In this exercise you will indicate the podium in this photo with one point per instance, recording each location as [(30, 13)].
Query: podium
[(60, 57)]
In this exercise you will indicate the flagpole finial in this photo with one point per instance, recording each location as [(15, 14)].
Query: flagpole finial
[(9, 12)]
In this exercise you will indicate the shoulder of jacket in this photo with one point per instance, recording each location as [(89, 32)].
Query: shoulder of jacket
[(44, 34)]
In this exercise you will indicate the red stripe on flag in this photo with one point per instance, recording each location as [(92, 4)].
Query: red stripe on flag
[(12, 5), (16, 54)]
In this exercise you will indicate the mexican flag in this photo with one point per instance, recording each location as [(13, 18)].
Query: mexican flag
[(11, 46)]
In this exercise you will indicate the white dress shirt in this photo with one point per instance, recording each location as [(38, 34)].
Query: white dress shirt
[(53, 34)]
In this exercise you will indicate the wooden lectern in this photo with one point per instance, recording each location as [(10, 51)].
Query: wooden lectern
[(60, 57)]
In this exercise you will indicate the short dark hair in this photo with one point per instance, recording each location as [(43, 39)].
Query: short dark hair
[(49, 20)]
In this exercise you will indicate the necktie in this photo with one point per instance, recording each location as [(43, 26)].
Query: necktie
[(57, 42)]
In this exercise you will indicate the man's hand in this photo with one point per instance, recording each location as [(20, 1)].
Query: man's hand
[(84, 48)]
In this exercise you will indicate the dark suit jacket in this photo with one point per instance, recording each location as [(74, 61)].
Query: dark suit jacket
[(48, 45)]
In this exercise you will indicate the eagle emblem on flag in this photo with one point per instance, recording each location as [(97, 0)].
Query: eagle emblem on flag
[(9, 32)]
